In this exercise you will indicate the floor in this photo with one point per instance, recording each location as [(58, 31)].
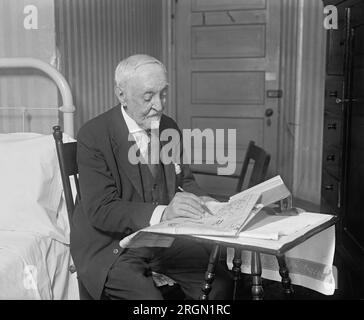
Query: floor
[(273, 291), (350, 285), (350, 282)]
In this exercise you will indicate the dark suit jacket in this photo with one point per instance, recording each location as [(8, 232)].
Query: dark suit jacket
[(112, 203)]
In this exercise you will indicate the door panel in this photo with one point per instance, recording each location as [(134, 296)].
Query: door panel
[(228, 41), (225, 18), (227, 58), (208, 5), (222, 88)]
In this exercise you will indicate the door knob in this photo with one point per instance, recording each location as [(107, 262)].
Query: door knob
[(269, 112)]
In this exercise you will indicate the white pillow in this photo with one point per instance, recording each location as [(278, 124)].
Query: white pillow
[(30, 184)]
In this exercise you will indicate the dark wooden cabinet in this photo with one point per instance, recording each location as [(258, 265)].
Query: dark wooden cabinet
[(334, 118), (342, 189)]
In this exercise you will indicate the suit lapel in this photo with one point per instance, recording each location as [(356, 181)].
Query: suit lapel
[(121, 148)]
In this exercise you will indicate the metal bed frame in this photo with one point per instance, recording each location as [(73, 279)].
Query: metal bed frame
[(67, 108)]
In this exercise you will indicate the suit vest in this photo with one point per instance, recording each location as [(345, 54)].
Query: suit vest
[(154, 188)]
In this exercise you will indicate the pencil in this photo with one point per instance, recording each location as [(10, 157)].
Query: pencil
[(202, 204)]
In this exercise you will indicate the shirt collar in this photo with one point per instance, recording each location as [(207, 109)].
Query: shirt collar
[(133, 127)]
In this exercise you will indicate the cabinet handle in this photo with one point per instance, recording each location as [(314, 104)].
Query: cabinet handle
[(338, 100), (332, 126), (333, 94), (329, 187), (330, 157)]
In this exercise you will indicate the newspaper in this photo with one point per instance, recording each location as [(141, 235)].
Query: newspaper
[(271, 191), (227, 219)]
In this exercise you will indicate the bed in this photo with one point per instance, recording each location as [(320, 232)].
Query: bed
[(35, 260), (34, 267)]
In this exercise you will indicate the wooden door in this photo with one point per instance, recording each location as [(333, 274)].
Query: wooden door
[(227, 75)]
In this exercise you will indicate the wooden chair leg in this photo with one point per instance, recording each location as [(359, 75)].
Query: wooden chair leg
[(236, 270), (210, 273), (256, 270), (286, 280)]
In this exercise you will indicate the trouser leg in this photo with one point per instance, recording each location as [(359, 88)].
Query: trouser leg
[(129, 277), (186, 262)]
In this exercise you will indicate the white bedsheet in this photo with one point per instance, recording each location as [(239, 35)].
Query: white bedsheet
[(34, 228), (33, 266)]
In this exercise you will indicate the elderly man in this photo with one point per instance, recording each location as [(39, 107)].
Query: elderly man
[(119, 197)]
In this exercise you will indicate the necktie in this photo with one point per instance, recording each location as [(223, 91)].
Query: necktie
[(153, 153)]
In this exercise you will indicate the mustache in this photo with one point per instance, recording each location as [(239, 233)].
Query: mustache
[(154, 115)]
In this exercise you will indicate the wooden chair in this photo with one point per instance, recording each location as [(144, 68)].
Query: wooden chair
[(66, 153), (68, 165), (261, 162), (259, 172)]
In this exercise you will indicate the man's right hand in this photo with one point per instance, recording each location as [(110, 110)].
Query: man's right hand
[(184, 205)]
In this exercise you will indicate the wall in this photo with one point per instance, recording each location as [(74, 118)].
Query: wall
[(26, 87), (289, 53), (310, 104), (93, 36), (302, 106)]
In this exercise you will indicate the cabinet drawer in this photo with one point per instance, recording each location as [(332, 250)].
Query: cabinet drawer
[(332, 131), (333, 95), (330, 190), (331, 161), (336, 46)]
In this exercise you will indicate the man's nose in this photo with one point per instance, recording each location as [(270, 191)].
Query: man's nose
[(157, 104)]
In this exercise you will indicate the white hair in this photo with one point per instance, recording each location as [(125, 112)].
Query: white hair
[(127, 68)]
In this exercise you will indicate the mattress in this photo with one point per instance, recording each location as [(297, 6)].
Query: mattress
[(34, 266)]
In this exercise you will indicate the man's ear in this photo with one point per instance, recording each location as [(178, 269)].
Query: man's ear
[(120, 94)]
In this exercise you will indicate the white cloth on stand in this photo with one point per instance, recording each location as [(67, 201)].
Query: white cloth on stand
[(310, 264)]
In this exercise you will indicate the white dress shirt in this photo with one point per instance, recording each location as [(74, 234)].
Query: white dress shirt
[(141, 138)]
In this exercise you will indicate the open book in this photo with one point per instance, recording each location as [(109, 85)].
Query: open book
[(228, 218)]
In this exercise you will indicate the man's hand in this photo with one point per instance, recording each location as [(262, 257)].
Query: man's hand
[(184, 205)]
